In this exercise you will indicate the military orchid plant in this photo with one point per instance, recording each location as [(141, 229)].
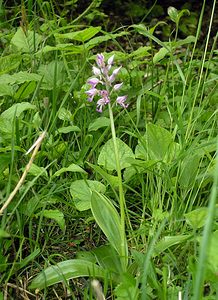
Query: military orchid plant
[(106, 80)]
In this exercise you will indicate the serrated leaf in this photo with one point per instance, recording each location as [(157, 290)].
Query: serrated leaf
[(9, 62), (81, 191), (66, 270), (19, 78), (107, 157), (26, 42), (99, 123), (71, 168)]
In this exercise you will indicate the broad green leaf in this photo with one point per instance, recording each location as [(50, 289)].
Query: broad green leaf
[(54, 214), (111, 179), (66, 270), (173, 13), (9, 62), (197, 218), (64, 114), (62, 47), (157, 144), (68, 129), (108, 36), (99, 123), (16, 110), (108, 220), (160, 55), (81, 36), (53, 75), (212, 257), (108, 258), (4, 234), (6, 90), (71, 168), (188, 171), (37, 171), (27, 43), (107, 157), (25, 90), (169, 241), (81, 191), (19, 78), (127, 289), (140, 52)]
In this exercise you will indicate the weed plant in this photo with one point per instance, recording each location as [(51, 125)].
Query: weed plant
[(116, 204)]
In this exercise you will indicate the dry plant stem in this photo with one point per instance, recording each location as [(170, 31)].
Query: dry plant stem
[(27, 168), (97, 290)]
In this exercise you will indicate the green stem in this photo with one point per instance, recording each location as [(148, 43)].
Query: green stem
[(121, 193)]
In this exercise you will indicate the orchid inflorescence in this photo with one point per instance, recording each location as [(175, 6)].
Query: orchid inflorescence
[(106, 80)]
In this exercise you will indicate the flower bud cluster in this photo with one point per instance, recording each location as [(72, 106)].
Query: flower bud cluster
[(105, 78)]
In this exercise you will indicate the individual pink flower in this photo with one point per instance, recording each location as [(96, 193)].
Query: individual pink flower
[(100, 60), (121, 101), (114, 74), (91, 93), (93, 82), (117, 86), (100, 104)]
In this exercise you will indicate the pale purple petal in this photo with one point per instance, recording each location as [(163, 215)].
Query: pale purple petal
[(121, 101), (118, 86), (110, 60), (96, 71), (92, 92), (114, 74), (100, 60), (100, 104), (93, 81)]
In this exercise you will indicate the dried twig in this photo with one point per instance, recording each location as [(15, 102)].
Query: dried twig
[(35, 146)]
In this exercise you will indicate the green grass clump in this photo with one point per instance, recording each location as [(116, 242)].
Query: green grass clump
[(120, 204)]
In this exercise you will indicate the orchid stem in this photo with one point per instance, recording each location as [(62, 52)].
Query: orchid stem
[(121, 193)]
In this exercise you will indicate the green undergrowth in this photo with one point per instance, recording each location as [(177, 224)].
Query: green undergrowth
[(65, 225)]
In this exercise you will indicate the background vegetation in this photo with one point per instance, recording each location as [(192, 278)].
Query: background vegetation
[(127, 197)]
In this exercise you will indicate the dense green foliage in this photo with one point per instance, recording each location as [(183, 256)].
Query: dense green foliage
[(127, 196)]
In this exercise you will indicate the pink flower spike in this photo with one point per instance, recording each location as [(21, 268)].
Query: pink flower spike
[(110, 60), (96, 71), (120, 100), (117, 86), (100, 60), (93, 81), (100, 104)]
